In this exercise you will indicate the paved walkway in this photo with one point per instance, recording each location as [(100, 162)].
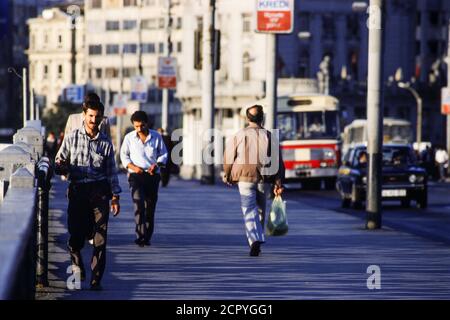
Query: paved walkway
[(199, 251)]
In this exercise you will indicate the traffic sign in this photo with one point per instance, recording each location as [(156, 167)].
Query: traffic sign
[(139, 89), (120, 102), (73, 94), (274, 16), (167, 73), (445, 101)]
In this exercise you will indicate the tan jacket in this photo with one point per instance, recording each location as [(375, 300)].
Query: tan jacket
[(248, 157), (75, 121)]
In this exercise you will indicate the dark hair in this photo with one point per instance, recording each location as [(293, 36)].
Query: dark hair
[(139, 116), (258, 117), (91, 96), (92, 101)]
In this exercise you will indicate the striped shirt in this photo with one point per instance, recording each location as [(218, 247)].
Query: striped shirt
[(143, 154), (89, 159)]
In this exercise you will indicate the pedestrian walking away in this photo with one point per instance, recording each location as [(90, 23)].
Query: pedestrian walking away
[(252, 159), (75, 120), (441, 158), (87, 158), (143, 153)]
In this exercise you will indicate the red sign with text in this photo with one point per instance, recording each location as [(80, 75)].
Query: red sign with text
[(274, 16)]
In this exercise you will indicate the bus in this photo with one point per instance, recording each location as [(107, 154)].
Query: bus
[(394, 131), (309, 129)]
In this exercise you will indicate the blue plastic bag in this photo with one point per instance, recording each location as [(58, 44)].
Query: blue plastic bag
[(277, 224)]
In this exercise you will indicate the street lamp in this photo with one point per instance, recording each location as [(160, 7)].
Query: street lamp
[(24, 85), (407, 86)]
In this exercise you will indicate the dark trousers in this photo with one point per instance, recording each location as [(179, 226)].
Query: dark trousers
[(88, 214), (144, 192)]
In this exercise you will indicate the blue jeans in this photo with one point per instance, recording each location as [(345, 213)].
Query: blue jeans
[(253, 203)]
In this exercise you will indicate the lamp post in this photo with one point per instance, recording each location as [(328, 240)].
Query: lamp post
[(24, 87), (407, 86)]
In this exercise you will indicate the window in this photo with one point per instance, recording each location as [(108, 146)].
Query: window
[(434, 18), (32, 71), (60, 71), (129, 24), (112, 49), (246, 22), (148, 48), (96, 4), (129, 3), (111, 72), (98, 73), (352, 25), (149, 24), (179, 47), (129, 48), (328, 26), (129, 72), (246, 67), (303, 20), (162, 23), (95, 49), (112, 25), (303, 64), (32, 41), (45, 71), (60, 39), (161, 47), (179, 23)]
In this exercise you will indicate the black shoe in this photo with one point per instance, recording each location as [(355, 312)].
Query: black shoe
[(147, 243), (140, 243), (255, 249), (95, 286)]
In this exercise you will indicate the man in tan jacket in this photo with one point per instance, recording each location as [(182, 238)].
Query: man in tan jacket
[(253, 160)]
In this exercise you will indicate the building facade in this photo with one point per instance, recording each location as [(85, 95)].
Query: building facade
[(56, 55), (125, 39)]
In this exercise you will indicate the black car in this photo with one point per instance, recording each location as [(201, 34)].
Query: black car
[(403, 179)]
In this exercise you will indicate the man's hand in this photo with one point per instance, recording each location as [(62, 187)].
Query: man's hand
[(152, 169), (225, 180), (61, 167), (115, 206), (136, 169), (278, 190)]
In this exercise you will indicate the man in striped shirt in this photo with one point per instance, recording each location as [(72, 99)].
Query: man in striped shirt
[(87, 157)]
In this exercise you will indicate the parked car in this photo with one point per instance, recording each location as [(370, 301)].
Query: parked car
[(402, 178)]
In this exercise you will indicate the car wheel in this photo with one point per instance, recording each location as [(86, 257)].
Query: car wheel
[(422, 201), (330, 183), (345, 203), (406, 203), (357, 205)]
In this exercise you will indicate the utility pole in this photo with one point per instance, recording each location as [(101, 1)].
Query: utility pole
[(208, 90), (167, 53), (271, 81), (24, 92), (374, 114)]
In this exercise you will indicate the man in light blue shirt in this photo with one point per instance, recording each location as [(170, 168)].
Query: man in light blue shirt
[(143, 153)]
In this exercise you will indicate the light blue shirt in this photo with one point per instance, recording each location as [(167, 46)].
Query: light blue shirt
[(143, 154)]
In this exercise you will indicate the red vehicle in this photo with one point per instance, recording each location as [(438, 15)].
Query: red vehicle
[(310, 138)]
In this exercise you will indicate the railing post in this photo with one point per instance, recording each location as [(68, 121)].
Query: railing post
[(44, 176)]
